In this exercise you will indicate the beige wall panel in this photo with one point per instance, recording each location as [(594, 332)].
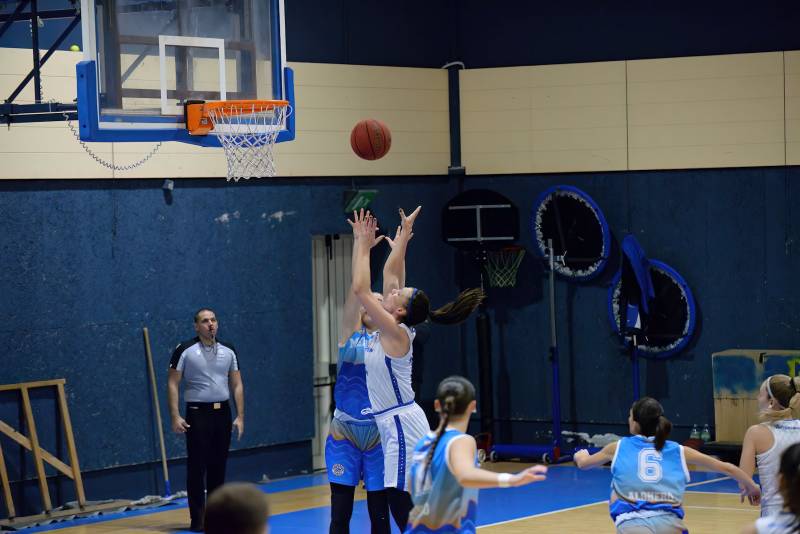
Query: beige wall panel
[(374, 99), (608, 159), (348, 76), (34, 139), (735, 133), (499, 142), (330, 98), (699, 157), (209, 163), (491, 122), (52, 165), (756, 110), (570, 116), (348, 165), (579, 117), (343, 120), (502, 163), (582, 139), (792, 62), (705, 67), (712, 111), (495, 100)]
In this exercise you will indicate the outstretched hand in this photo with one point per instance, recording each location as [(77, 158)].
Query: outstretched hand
[(365, 227), (751, 491), (405, 229), (537, 473), (407, 222)]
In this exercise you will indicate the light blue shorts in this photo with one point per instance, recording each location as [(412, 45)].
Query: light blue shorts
[(657, 524), (353, 452)]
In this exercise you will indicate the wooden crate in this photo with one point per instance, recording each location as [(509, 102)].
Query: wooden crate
[(737, 375)]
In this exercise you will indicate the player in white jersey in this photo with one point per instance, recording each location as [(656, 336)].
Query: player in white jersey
[(445, 476), (649, 473), (786, 521), (401, 422), (779, 407)]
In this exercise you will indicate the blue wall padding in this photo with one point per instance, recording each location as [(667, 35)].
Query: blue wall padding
[(734, 374), (732, 234), (89, 263)]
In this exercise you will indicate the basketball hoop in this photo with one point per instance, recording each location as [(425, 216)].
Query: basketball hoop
[(502, 265), (247, 130)]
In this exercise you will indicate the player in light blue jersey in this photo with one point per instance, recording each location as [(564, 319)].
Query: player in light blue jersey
[(445, 476), (353, 449), (649, 474), (786, 521)]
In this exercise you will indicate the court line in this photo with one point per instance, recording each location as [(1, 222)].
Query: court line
[(544, 514), (748, 510), (596, 503)]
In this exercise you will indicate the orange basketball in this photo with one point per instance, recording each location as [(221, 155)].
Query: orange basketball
[(370, 139)]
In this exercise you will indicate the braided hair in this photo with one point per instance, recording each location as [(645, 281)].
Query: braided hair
[(454, 393), (650, 415), (418, 308)]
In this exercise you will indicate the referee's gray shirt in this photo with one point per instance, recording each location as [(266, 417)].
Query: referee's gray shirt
[(205, 369)]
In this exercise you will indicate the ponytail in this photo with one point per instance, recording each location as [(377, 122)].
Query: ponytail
[(650, 415), (783, 391), (663, 428), (454, 394), (454, 312), (447, 409)]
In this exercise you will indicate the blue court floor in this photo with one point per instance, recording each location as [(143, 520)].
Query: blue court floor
[(566, 487)]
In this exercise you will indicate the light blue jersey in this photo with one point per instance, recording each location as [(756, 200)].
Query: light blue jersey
[(647, 482), (350, 392), (441, 504)]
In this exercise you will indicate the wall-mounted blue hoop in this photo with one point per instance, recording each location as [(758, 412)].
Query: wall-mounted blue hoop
[(587, 269), (674, 347)]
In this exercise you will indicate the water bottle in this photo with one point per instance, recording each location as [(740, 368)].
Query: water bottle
[(705, 435), (695, 433)]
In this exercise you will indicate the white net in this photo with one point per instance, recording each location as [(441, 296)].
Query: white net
[(248, 132), (502, 266)]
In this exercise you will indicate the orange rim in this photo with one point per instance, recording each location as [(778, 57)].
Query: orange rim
[(198, 121)]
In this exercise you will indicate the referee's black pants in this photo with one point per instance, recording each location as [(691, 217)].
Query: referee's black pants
[(207, 441)]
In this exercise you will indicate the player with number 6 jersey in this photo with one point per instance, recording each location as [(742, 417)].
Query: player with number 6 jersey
[(649, 473)]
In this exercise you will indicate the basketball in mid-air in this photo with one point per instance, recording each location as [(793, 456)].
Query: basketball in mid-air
[(370, 139)]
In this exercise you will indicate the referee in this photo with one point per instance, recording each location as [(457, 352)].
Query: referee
[(210, 369)]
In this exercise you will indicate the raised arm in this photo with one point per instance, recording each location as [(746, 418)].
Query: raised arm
[(584, 460), (351, 318), (461, 462), (393, 338), (749, 488), (394, 270)]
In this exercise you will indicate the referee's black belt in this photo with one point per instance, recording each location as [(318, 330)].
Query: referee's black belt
[(207, 406)]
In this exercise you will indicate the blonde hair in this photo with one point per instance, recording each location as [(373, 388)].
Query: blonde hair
[(782, 389)]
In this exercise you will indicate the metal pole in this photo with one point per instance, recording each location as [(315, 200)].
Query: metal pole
[(37, 77), (554, 355)]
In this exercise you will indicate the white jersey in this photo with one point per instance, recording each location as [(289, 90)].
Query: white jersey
[(388, 379), (401, 422), (781, 523), (785, 433)]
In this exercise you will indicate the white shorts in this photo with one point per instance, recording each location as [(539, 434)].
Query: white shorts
[(400, 432)]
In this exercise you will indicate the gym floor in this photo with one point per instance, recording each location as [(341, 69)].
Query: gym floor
[(569, 501)]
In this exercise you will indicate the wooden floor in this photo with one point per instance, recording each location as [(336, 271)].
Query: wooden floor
[(706, 513), (305, 509)]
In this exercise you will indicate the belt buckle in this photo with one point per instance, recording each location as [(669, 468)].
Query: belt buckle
[(217, 405)]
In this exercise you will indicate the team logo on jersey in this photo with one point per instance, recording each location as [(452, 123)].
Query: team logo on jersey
[(338, 469)]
